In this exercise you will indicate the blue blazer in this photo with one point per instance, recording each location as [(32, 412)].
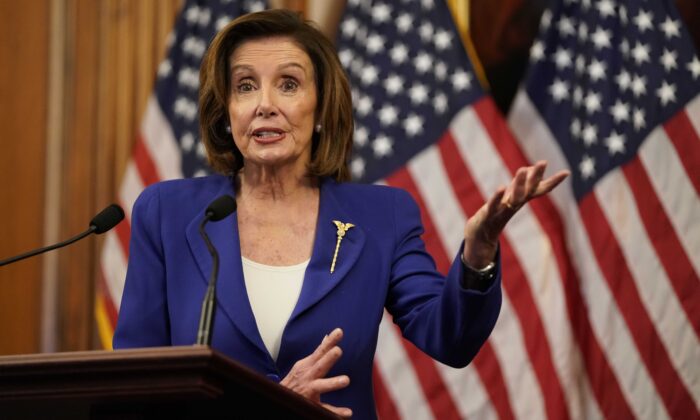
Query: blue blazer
[(382, 263)]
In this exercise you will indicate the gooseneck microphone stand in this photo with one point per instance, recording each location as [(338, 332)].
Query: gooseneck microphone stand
[(217, 210)]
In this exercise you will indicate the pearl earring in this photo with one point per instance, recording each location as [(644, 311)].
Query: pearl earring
[(228, 129), (318, 128)]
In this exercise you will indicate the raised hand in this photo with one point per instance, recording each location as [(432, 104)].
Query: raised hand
[(307, 376), (483, 229)]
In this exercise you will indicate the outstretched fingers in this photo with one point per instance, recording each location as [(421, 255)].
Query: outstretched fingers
[(515, 192), (550, 183), (327, 344), (494, 203), (528, 183), (323, 385), (344, 412), (534, 177), (322, 365), (484, 227), (307, 376)]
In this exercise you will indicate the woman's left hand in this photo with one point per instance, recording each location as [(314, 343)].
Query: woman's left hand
[(483, 229)]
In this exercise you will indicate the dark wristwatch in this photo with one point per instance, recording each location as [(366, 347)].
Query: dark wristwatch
[(486, 270), (483, 273), (478, 279)]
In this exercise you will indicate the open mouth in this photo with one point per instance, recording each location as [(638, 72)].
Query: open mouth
[(268, 134)]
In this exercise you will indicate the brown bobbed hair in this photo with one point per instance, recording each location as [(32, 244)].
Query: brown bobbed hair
[(331, 148)]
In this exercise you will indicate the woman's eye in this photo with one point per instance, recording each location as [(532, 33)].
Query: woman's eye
[(289, 85), (245, 87)]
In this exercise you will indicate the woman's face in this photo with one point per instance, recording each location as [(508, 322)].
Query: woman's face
[(272, 102)]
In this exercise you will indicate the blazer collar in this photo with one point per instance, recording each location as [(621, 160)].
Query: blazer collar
[(232, 296), (319, 280)]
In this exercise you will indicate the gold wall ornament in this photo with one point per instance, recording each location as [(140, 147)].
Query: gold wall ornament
[(342, 228)]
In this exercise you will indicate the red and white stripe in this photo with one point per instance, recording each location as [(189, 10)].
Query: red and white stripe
[(600, 314), (451, 180), (641, 305), (155, 157)]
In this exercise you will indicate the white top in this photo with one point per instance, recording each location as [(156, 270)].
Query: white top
[(273, 292)]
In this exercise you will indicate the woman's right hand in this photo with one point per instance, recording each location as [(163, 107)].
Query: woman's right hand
[(307, 376)]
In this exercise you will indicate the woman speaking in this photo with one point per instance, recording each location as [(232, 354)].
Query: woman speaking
[(309, 261)]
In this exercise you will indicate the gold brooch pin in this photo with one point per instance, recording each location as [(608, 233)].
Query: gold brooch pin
[(342, 228)]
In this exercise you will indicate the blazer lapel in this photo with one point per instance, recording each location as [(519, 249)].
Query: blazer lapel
[(319, 281), (231, 293)]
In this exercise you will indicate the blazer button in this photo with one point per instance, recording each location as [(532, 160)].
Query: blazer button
[(273, 377)]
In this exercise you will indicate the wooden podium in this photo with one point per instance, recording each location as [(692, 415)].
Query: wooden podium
[(160, 382)]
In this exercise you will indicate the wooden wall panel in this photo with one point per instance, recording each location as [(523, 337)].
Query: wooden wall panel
[(76, 262), (114, 48), (23, 105)]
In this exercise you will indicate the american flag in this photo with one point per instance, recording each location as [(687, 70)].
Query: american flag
[(601, 305), (420, 115), (613, 95), (600, 313)]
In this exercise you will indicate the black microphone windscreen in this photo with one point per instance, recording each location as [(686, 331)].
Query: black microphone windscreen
[(107, 218), (221, 207)]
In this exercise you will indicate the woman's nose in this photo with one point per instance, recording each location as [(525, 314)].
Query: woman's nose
[(266, 106)]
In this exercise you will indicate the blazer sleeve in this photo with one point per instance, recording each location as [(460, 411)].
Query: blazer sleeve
[(445, 320), (143, 316)]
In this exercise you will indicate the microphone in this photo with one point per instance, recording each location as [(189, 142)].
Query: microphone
[(107, 219), (217, 210), (104, 221), (221, 208)]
